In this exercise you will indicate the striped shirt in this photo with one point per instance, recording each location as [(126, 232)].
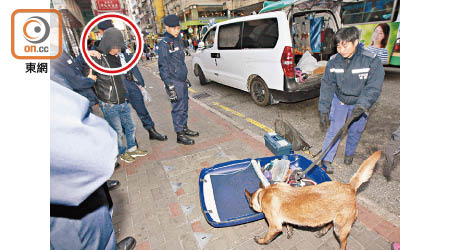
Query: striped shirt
[(382, 53)]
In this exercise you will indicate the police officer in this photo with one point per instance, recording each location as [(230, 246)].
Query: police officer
[(350, 86), (173, 71), (134, 82)]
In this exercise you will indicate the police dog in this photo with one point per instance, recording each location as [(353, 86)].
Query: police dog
[(327, 204)]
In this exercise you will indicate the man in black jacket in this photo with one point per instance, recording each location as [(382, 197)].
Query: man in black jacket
[(111, 94), (350, 86)]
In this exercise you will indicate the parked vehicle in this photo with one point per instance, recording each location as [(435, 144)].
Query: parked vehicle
[(259, 53)]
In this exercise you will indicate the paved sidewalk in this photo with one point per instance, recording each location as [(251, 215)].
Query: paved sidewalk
[(158, 200)]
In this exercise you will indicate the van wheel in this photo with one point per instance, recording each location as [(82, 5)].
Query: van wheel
[(201, 76), (259, 92)]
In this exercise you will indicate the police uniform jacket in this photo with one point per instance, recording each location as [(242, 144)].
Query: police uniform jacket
[(137, 76), (356, 80), (69, 72), (172, 67)]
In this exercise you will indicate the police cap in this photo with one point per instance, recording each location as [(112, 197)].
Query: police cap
[(104, 25), (172, 20)]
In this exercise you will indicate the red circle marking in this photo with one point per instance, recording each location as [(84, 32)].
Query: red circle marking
[(84, 44)]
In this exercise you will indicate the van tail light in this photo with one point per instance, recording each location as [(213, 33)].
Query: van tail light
[(287, 62)]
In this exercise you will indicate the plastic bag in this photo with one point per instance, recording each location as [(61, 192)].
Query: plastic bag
[(146, 95), (307, 63)]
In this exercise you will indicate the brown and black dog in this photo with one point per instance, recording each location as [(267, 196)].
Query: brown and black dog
[(327, 204)]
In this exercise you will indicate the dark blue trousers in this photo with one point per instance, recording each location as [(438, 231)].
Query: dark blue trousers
[(339, 113), (180, 108), (137, 102)]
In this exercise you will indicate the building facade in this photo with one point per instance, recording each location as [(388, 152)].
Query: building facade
[(196, 14)]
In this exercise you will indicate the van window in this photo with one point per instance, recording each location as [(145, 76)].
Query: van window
[(367, 11), (209, 38), (262, 33), (230, 36)]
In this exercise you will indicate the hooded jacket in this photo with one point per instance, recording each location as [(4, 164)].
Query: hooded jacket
[(109, 88), (355, 80)]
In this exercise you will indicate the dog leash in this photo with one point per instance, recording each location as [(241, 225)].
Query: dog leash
[(339, 133)]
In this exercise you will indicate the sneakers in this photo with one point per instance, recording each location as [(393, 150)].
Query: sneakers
[(137, 153), (126, 157)]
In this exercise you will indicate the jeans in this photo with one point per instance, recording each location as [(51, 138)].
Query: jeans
[(339, 113), (119, 118), (137, 102)]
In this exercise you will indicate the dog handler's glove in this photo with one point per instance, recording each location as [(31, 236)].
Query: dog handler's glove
[(324, 121), (358, 110), (172, 93)]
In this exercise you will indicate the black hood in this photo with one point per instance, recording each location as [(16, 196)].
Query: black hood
[(112, 38)]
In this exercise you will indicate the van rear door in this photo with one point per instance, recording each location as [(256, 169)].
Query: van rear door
[(313, 28)]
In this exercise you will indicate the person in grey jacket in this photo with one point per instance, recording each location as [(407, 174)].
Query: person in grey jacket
[(83, 150), (350, 86)]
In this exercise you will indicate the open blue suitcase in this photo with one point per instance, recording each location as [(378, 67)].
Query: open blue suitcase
[(222, 189)]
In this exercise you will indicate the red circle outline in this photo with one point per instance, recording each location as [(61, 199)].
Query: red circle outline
[(84, 44)]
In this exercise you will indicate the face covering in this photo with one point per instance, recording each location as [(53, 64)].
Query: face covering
[(112, 38)]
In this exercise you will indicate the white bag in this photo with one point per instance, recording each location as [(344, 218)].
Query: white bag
[(307, 63), (145, 95)]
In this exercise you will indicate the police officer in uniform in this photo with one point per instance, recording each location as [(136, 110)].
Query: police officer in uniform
[(350, 86), (173, 71), (134, 82)]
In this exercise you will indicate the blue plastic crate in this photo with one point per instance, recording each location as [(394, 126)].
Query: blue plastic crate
[(277, 144), (222, 186)]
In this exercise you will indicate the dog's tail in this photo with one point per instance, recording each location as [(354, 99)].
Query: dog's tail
[(365, 171)]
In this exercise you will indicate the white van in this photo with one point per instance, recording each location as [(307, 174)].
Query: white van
[(256, 54)]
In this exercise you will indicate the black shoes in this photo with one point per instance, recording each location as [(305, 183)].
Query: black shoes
[(129, 243), (189, 132), (348, 160), (112, 184), (154, 135), (183, 139), (329, 167)]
